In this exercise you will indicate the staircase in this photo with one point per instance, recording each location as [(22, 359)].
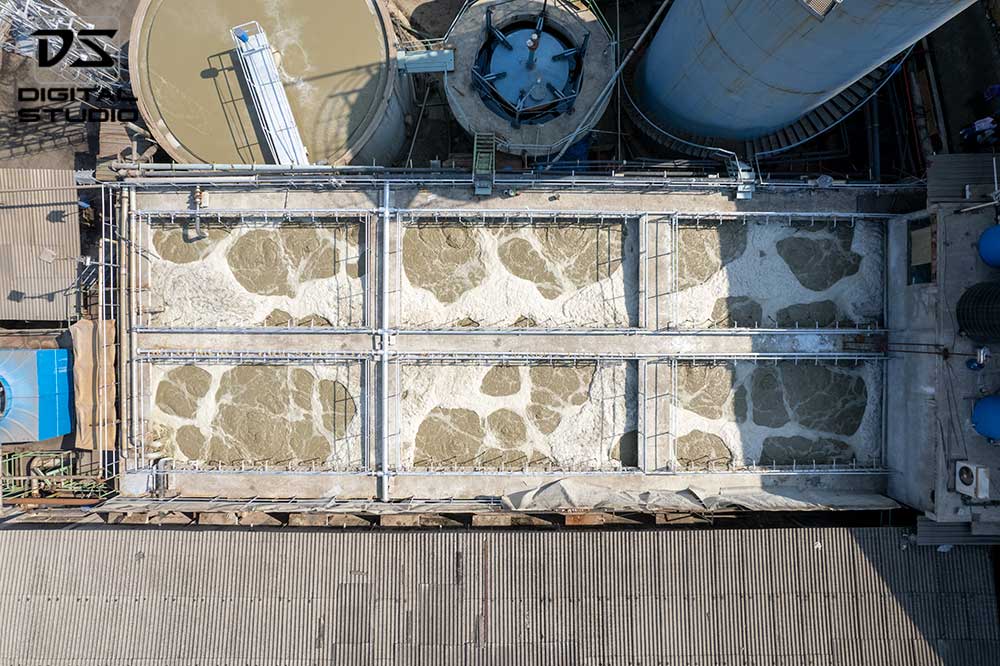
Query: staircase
[(484, 163), (823, 117), (807, 127)]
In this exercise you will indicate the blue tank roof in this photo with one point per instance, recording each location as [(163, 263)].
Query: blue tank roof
[(986, 417), (38, 394), (989, 246)]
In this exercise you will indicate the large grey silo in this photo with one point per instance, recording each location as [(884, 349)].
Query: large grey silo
[(739, 69)]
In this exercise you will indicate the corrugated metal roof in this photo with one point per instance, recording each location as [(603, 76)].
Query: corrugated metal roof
[(44, 218), (948, 174), (804, 596)]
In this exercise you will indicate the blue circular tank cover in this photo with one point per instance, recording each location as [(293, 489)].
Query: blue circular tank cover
[(6, 399), (989, 246), (986, 417)]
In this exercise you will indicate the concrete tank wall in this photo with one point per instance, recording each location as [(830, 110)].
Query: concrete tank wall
[(738, 69), (387, 142)]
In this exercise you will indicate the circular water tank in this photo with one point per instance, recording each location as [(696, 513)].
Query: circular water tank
[(986, 417), (532, 90), (979, 313), (336, 59), (989, 246)]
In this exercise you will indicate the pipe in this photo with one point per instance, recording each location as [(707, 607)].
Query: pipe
[(134, 267), (914, 216), (205, 180), (420, 118), (611, 84), (935, 96), (618, 55), (877, 141), (205, 166), (384, 351), (971, 209), (919, 114), (122, 351)]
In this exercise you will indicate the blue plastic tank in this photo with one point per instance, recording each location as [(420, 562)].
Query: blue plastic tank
[(986, 417), (989, 246), (37, 394)]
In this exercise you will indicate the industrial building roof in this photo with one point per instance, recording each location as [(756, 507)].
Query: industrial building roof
[(948, 176), (39, 244), (791, 596)]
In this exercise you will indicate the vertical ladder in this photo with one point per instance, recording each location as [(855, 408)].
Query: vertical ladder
[(484, 162)]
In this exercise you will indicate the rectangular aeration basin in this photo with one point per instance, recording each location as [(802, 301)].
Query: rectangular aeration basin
[(511, 273), (530, 417), (228, 273)]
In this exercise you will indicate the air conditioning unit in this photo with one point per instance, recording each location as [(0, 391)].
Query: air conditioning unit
[(972, 480)]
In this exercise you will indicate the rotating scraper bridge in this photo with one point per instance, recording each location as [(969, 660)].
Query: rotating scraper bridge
[(339, 344)]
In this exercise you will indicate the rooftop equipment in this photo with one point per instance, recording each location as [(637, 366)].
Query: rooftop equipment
[(979, 313), (270, 103), (773, 73), (972, 480)]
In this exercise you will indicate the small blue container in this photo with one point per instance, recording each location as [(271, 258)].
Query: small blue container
[(986, 417), (989, 246)]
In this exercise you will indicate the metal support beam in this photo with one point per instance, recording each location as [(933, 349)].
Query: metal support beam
[(385, 341)]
